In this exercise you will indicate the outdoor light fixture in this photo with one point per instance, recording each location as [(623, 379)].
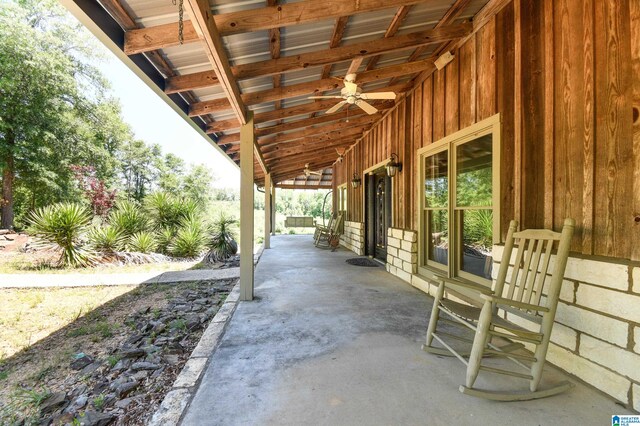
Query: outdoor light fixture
[(355, 182), (393, 166)]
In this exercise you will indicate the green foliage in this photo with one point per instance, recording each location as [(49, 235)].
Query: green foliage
[(106, 239), (128, 218), (478, 228), (143, 242), (178, 324), (222, 244), (112, 360), (164, 237), (62, 226), (189, 240), (98, 402), (168, 212)]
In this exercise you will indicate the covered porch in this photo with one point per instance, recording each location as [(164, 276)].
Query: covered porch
[(325, 342)]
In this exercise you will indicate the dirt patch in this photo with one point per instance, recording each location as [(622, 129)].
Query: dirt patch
[(102, 354)]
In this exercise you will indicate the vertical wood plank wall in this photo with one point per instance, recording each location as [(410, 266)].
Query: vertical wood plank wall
[(565, 77)]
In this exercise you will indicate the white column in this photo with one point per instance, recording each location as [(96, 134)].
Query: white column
[(246, 209), (267, 211), (273, 203)]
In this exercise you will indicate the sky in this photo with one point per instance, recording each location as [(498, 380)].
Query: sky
[(153, 121)]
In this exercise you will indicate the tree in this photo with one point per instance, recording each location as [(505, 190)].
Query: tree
[(139, 168), (44, 89), (197, 184), (171, 173)]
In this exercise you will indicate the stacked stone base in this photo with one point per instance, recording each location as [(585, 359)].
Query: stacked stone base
[(353, 237)]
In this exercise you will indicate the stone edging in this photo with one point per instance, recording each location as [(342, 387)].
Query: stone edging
[(186, 384)]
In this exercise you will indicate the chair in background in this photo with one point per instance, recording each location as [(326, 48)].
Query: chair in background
[(523, 290)]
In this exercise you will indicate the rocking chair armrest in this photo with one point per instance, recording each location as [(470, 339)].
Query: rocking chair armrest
[(467, 284), (502, 301)]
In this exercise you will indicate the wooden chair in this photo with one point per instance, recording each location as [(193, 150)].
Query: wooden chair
[(320, 228), (519, 292), (330, 238)]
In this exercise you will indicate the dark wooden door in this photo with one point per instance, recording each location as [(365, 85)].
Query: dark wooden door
[(378, 214)]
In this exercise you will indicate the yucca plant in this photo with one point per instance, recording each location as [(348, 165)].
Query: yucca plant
[(143, 242), (128, 218), (222, 244), (164, 237), (106, 239), (62, 226), (189, 240)]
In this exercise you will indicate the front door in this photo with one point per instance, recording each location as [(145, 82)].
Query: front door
[(378, 214)]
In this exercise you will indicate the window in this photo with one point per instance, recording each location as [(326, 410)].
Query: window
[(460, 203), (342, 198)]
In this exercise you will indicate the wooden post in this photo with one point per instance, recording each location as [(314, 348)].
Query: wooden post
[(273, 210), (267, 211), (246, 209)]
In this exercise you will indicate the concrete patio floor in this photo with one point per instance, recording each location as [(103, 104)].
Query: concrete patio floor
[(334, 344)]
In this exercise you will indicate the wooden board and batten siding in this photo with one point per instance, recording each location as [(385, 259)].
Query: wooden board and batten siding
[(564, 75)]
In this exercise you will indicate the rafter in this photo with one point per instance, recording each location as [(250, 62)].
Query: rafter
[(316, 141), (336, 38), (266, 18), (356, 52), (321, 132), (391, 31), (354, 115)]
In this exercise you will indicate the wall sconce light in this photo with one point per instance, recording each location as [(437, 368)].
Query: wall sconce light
[(355, 182), (393, 166)]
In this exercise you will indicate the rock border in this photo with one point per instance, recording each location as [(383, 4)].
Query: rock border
[(184, 388), (186, 384)]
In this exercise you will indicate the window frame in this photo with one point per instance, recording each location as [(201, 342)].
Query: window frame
[(450, 143)]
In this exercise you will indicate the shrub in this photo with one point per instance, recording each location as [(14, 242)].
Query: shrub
[(62, 226), (164, 238), (189, 240), (222, 244), (143, 242), (106, 239), (128, 218), (167, 211)]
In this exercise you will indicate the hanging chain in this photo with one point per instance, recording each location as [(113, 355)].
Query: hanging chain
[(180, 19)]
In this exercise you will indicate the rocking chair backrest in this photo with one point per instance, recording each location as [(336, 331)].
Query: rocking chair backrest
[(526, 282), (335, 227)]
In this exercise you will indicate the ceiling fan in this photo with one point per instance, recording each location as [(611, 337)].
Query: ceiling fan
[(308, 172), (351, 94), (340, 155)]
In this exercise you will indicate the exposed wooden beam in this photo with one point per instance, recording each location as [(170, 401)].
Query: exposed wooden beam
[(314, 142), (336, 38), (354, 114), (207, 107), (205, 26), (450, 15), (294, 111), (391, 31), (153, 38), (323, 185), (223, 125), (274, 48), (313, 87), (355, 52), (360, 122), (118, 13)]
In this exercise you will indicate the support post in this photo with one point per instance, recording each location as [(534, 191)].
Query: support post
[(273, 210), (267, 211), (246, 209)]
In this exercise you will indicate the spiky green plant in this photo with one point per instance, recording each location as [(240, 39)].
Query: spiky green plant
[(63, 226), (222, 244), (106, 239), (164, 237), (128, 218), (189, 240), (143, 242)]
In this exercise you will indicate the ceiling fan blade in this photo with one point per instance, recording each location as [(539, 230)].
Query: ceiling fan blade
[(315, 173), (336, 107), (378, 95), (325, 97), (368, 108)]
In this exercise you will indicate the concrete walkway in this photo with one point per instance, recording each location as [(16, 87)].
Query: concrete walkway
[(87, 280), (334, 344)]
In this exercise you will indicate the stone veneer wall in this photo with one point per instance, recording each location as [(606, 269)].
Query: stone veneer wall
[(596, 335), (352, 237), (402, 253)]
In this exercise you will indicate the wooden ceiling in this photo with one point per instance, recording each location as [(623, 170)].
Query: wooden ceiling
[(289, 134)]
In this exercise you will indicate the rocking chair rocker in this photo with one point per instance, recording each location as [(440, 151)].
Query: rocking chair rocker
[(519, 294)]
